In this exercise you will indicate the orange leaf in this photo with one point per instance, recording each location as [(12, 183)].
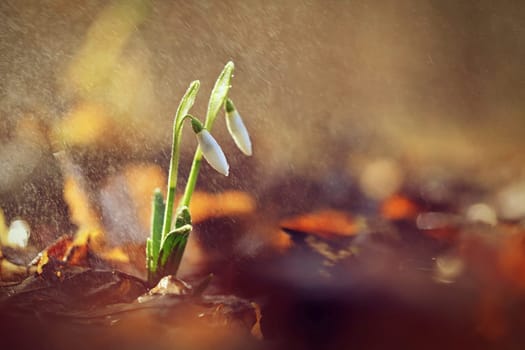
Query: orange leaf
[(398, 207), (325, 223)]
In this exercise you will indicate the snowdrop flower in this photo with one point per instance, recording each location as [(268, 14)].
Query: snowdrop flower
[(210, 148), (237, 129)]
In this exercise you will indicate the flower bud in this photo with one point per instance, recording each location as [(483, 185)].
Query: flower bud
[(237, 129), (196, 125), (212, 152)]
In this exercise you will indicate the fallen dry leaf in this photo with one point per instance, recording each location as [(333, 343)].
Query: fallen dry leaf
[(280, 241), (325, 223), (398, 207), (10, 271)]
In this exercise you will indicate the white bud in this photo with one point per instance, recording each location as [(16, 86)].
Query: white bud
[(18, 234), (212, 152), (239, 132)]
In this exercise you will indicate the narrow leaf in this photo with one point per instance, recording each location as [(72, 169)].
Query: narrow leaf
[(187, 100), (157, 219), (219, 93), (149, 256), (184, 107)]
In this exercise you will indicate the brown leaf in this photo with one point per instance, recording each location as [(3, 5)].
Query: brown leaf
[(512, 259)]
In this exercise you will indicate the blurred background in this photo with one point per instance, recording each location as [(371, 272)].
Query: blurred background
[(333, 93)]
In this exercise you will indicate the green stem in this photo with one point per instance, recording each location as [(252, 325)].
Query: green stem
[(195, 167), (172, 184), (173, 172), (192, 178), (184, 106), (218, 97)]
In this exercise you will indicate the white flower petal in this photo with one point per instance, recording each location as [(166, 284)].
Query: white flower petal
[(213, 152), (239, 132)]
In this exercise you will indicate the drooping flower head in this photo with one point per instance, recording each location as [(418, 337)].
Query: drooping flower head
[(211, 150), (237, 128)]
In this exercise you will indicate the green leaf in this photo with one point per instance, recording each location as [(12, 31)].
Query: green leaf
[(185, 105), (219, 94), (149, 256), (183, 217), (187, 101), (172, 250), (157, 219)]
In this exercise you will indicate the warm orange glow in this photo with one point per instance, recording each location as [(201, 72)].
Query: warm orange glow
[(512, 259), (325, 223), (229, 203), (142, 180), (398, 207), (82, 214), (281, 241), (116, 254), (86, 124)]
